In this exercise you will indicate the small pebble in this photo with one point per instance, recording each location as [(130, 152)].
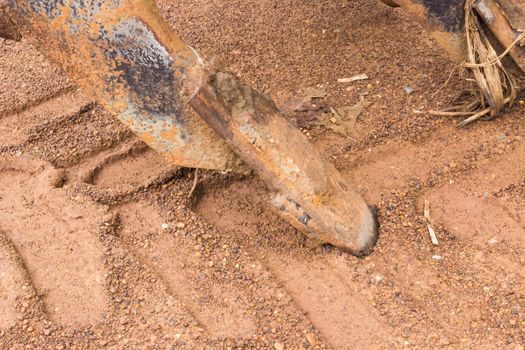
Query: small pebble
[(312, 340)]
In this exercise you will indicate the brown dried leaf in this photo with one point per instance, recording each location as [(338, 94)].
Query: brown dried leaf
[(303, 111), (342, 120)]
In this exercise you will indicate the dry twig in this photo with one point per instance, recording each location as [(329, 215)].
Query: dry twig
[(195, 182), (433, 236)]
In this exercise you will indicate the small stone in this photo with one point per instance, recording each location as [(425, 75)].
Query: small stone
[(444, 342), (165, 226), (437, 257), (493, 240), (278, 346), (57, 178), (181, 225), (312, 340), (379, 280)]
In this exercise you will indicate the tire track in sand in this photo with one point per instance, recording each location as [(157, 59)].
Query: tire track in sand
[(56, 237)]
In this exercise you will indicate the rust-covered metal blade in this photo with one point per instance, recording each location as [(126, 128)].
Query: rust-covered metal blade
[(124, 54), (444, 19)]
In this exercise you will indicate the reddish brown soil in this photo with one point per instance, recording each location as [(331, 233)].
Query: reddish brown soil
[(101, 248)]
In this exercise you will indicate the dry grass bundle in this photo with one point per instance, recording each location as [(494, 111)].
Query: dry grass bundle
[(496, 87)]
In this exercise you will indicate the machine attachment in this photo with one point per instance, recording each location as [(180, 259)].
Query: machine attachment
[(125, 55)]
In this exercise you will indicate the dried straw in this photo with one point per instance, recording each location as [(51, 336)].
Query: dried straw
[(496, 88)]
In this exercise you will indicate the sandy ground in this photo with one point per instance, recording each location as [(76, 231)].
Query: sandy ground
[(101, 248)]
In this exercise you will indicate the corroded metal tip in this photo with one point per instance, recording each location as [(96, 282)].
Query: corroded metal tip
[(314, 197), (369, 234), (358, 239)]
